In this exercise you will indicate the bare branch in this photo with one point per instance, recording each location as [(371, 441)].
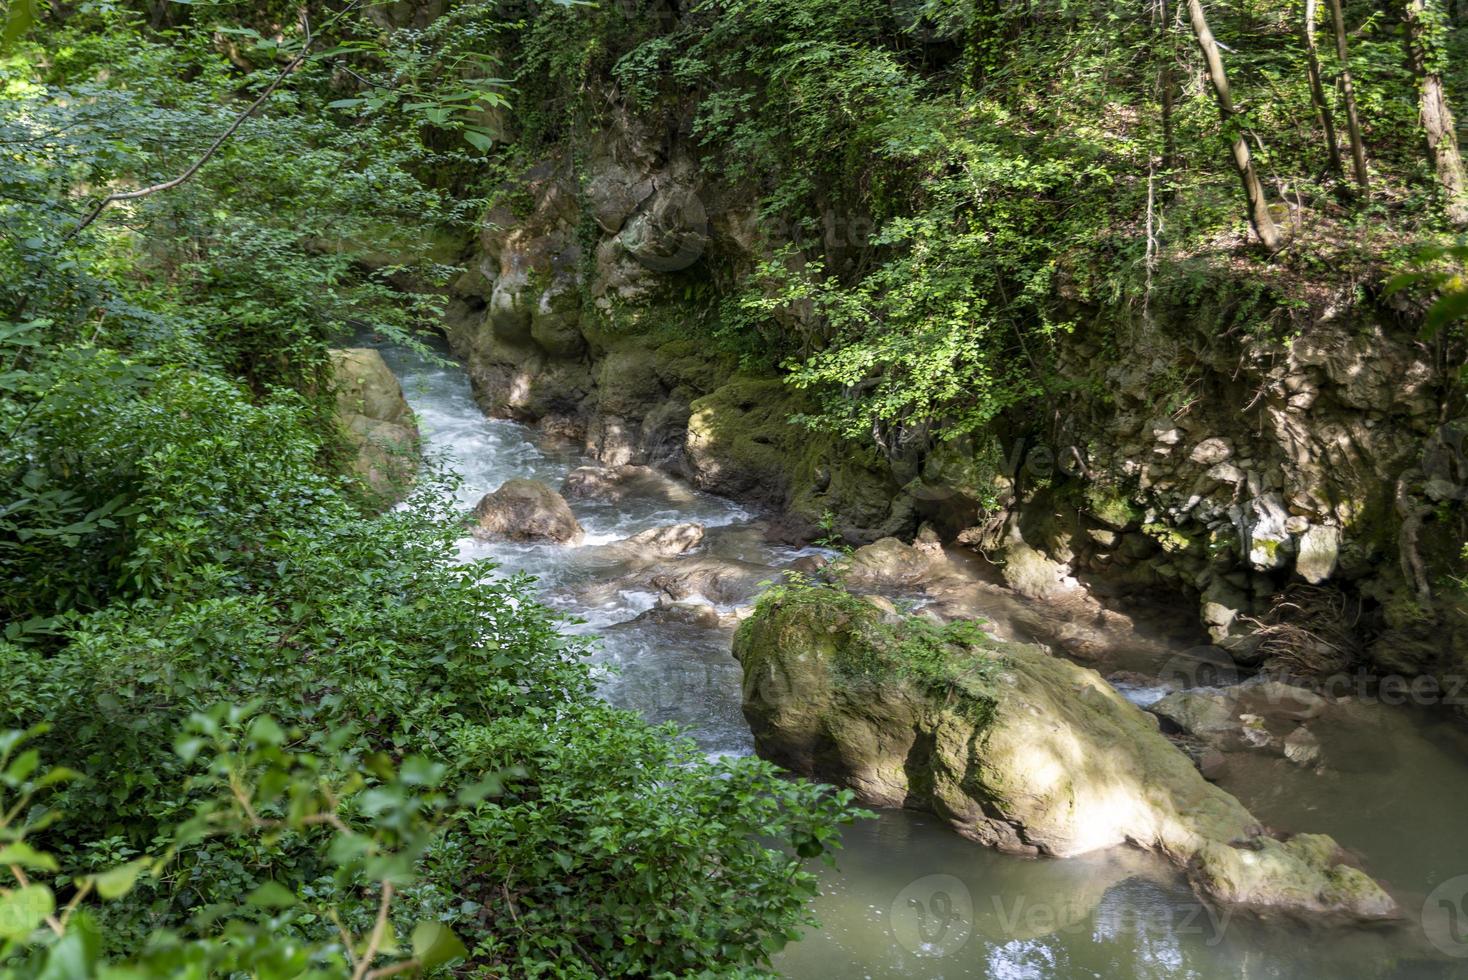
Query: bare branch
[(223, 137)]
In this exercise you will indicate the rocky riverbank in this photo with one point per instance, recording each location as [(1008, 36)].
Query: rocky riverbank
[(1281, 484)]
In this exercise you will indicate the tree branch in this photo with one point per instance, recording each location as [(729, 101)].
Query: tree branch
[(239, 121), (379, 931)]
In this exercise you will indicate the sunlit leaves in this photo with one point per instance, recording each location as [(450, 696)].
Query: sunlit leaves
[(18, 18)]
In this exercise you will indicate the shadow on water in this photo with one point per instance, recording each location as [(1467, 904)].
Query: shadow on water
[(913, 900)]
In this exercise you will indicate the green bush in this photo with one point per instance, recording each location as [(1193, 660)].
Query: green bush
[(253, 727)]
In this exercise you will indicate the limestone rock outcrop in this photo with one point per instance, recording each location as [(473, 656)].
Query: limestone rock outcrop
[(1013, 747), (376, 421)]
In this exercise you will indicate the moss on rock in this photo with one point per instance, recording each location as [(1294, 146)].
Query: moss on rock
[(1015, 748), (741, 442), (376, 422)]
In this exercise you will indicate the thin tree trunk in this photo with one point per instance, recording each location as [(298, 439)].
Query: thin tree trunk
[(1317, 91), (1437, 118), (1348, 94), (1167, 86), (1259, 216)]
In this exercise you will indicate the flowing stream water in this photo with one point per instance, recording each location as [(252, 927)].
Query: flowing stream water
[(911, 899)]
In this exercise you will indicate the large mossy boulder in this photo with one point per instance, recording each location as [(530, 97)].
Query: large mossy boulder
[(1015, 748), (376, 422)]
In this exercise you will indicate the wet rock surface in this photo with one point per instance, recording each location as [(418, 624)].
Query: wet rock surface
[(612, 484), (526, 510), (1257, 714), (1014, 748)]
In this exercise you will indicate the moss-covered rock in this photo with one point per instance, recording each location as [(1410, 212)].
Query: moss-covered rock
[(1303, 873), (742, 443), (555, 322), (1015, 748), (740, 440), (376, 422), (628, 383)]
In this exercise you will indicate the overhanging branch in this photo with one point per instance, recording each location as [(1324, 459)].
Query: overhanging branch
[(223, 137)]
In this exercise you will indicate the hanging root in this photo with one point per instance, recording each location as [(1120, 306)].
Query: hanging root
[(988, 534), (1309, 631)]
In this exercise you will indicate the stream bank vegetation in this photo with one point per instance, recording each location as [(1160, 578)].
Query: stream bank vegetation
[(969, 181), (251, 725)]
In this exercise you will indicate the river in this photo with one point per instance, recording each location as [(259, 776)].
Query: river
[(909, 898)]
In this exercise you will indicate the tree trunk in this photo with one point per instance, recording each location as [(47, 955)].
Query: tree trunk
[(1424, 55), (1167, 87), (1259, 216), (1317, 91), (1348, 94)]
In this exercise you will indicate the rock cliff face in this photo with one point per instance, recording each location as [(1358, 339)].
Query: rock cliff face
[(1317, 468), (1013, 747), (570, 318), (1283, 471)]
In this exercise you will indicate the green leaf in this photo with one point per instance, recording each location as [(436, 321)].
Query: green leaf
[(120, 880), (23, 15), (22, 854), (1452, 306), (25, 764), (1401, 281), (23, 910), (272, 895), (265, 730), (75, 955), (434, 944)]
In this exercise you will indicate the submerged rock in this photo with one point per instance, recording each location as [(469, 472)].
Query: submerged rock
[(375, 419), (715, 579), (613, 484), (701, 615), (1259, 713), (1015, 748), (663, 542), (526, 510)]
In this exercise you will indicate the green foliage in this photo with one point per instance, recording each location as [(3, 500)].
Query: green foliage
[(944, 189), (256, 789), (939, 659), (306, 741), (1438, 272)]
